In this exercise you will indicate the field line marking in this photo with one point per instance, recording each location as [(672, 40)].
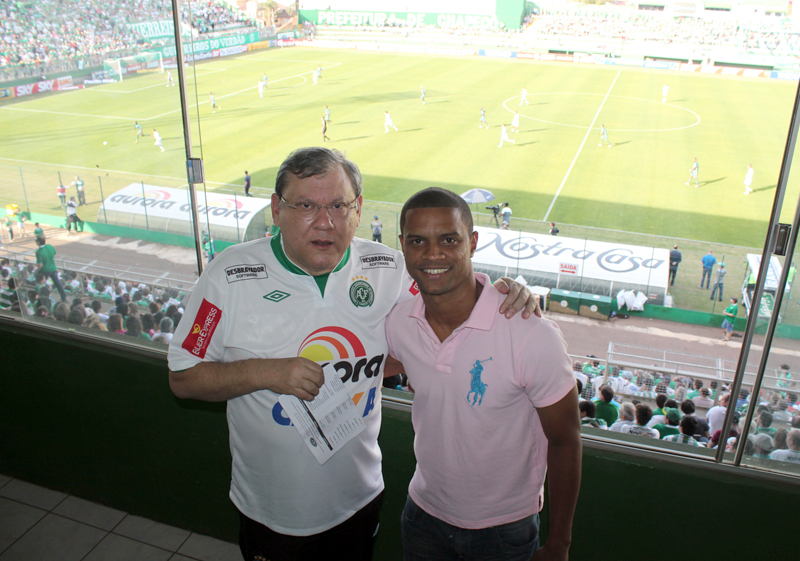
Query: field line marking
[(301, 75), (11, 108), (109, 171), (101, 90), (578, 153)]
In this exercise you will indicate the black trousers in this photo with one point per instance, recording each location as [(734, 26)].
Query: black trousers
[(351, 540)]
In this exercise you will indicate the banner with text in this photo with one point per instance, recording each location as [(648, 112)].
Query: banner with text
[(409, 19), (621, 263), (162, 202)]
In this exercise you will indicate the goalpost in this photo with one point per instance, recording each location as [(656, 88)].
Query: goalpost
[(117, 68)]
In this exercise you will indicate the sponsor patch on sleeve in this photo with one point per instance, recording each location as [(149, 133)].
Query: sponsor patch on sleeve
[(414, 288), (203, 327), (246, 272), (378, 261)]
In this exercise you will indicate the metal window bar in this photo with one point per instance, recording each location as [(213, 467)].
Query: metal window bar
[(769, 243)]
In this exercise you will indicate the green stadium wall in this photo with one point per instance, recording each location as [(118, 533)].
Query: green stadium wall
[(125, 232), (101, 424), (507, 12)]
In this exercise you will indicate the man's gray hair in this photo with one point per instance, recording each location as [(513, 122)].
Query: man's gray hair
[(165, 326), (308, 162), (627, 411)]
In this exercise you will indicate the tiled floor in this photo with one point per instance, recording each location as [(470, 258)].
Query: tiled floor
[(37, 524)]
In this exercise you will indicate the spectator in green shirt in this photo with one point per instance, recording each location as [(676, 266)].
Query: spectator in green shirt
[(38, 232), (672, 426), (45, 258), (765, 424), (730, 315), (605, 409)]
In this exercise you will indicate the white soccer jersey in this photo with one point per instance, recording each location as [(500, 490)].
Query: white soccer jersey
[(515, 121), (253, 302)]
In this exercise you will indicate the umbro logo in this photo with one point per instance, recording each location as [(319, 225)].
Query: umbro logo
[(276, 296)]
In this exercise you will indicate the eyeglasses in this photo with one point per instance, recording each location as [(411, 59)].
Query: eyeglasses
[(308, 211)]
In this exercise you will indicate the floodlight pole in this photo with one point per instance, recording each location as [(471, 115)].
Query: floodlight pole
[(187, 134)]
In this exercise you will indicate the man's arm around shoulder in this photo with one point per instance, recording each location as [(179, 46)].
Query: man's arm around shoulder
[(562, 427), (221, 381)]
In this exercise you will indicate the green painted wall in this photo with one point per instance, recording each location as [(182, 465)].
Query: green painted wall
[(510, 12), (103, 425), (125, 232)]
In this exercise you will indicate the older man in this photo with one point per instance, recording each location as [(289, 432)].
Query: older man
[(262, 317), (627, 416), (793, 453)]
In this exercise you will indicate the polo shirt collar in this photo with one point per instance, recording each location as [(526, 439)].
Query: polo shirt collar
[(483, 314)]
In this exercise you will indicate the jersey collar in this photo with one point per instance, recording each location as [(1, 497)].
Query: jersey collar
[(283, 259)]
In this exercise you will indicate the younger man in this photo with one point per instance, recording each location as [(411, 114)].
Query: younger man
[(476, 378)]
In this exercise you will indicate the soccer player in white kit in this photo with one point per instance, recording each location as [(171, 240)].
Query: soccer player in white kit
[(387, 122), (169, 79), (504, 136), (157, 138), (260, 89), (515, 122), (524, 97), (664, 92), (748, 180)]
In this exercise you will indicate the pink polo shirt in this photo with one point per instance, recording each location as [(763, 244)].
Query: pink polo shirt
[(481, 452)]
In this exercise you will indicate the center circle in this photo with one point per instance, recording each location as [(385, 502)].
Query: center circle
[(686, 118)]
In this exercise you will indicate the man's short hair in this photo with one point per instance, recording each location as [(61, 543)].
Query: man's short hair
[(607, 393), (643, 414), (39, 241), (793, 440), (627, 411), (588, 407), (661, 399), (687, 407), (766, 419), (671, 403), (309, 162), (436, 197), (689, 425), (165, 325)]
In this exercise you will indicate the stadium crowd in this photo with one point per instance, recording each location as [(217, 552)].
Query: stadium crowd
[(210, 16), (650, 404), (91, 301), (767, 34), (643, 403), (56, 35)]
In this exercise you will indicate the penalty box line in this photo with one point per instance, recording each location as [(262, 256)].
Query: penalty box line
[(580, 148)]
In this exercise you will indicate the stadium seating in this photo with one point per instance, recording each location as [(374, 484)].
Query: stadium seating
[(51, 36)]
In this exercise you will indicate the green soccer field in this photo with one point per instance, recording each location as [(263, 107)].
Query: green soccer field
[(555, 171)]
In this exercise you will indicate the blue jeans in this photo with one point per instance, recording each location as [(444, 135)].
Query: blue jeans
[(714, 290), (706, 276), (57, 282), (426, 538)]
